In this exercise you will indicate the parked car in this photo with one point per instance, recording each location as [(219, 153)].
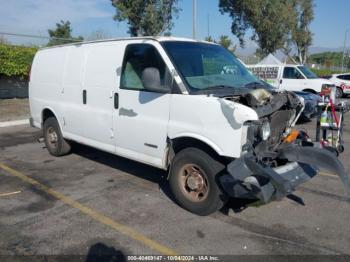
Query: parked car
[(188, 107), (289, 76), (342, 82), (311, 101)]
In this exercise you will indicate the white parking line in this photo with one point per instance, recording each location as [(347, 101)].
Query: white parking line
[(14, 123)]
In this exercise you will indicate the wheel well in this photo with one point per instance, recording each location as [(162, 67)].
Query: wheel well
[(310, 91), (46, 114), (178, 144)]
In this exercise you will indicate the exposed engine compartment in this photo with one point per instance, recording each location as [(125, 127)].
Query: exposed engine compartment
[(279, 109), (266, 102), (272, 168)]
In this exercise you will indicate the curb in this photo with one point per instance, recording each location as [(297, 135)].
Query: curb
[(14, 123)]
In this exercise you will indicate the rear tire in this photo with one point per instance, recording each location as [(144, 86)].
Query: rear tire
[(54, 141), (193, 181)]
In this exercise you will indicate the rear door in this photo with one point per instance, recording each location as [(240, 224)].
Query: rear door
[(72, 101), (292, 79), (141, 116)]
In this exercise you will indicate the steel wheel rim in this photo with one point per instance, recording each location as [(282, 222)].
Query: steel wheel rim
[(194, 183), (52, 137)]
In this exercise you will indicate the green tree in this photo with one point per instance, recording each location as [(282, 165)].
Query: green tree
[(146, 17), (62, 34), (209, 39), (301, 33), (269, 20), (225, 41)]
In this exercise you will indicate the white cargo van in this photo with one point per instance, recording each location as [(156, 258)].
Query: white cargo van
[(180, 105), (289, 77)]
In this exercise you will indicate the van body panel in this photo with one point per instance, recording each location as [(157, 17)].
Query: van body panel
[(45, 87), (225, 133)]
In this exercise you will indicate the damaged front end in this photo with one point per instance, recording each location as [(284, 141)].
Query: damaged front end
[(272, 166)]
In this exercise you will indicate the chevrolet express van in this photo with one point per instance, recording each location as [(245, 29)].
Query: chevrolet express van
[(190, 108), (291, 77)]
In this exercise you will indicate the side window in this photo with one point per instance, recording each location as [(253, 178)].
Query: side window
[(292, 73), (137, 58), (344, 77)]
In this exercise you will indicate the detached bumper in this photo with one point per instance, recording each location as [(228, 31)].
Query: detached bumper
[(247, 178)]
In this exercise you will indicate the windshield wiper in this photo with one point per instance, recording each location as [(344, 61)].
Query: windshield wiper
[(218, 87)]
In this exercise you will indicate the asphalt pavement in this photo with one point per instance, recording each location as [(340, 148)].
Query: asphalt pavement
[(92, 202)]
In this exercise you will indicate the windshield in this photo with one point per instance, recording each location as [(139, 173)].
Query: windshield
[(307, 72), (205, 66)]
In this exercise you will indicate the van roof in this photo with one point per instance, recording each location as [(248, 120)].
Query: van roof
[(156, 38)]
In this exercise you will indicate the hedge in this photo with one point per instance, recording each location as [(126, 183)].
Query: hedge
[(16, 60)]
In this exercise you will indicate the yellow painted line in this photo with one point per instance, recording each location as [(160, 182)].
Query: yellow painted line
[(125, 230), (9, 194)]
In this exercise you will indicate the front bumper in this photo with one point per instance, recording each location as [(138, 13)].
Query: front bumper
[(249, 179)]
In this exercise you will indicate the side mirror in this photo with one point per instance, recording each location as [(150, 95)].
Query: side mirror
[(151, 80)]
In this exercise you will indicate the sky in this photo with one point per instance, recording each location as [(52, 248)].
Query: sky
[(332, 18)]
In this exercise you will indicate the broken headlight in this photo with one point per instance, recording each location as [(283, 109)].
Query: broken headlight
[(265, 130)]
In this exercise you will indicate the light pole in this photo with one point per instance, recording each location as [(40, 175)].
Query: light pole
[(343, 58), (194, 18)]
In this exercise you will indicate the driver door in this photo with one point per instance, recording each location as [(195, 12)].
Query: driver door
[(141, 117), (292, 79)]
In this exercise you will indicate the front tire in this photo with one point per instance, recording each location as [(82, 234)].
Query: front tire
[(193, 181), (54, 141), (339, 92)]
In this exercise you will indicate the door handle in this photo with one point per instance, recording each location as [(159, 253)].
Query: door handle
[(116, 100), (84, 97), (281, 81)]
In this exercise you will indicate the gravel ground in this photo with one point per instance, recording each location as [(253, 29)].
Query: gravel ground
[(14, 109)]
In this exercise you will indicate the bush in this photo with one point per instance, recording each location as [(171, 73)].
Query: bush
[(16, 60)]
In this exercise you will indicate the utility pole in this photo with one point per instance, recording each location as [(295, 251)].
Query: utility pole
[(344, 49), (194, 18), (208, 34)]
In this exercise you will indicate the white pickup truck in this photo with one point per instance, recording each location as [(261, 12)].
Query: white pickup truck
[(187, 107)]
